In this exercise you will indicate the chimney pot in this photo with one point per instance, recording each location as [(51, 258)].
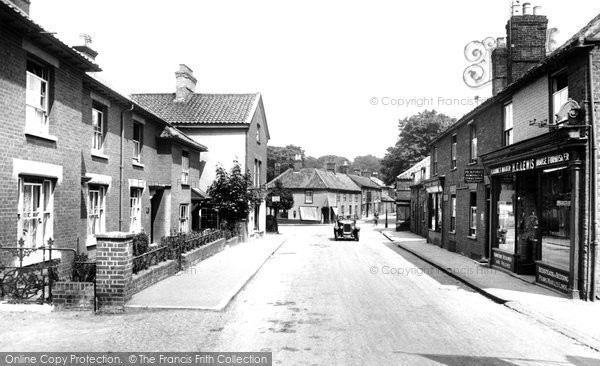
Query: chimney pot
[(185, 83), (527, 9), (537, 10)]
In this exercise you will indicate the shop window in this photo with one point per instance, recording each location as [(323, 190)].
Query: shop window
[(560, 93), (308, 196), (508, 124), (555, 223), (135, 210), (435, 211), (137, 142), (96, 210), (453, 213), (473, 143), (184, 218), (506, 215), (473, 214), (453, 153), (35, 219), (36, 98)]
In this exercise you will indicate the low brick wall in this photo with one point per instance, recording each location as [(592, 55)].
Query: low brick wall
[(150, 276), (68, 295), (206, 251)]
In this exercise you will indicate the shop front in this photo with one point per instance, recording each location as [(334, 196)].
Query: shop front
[(536, 211)]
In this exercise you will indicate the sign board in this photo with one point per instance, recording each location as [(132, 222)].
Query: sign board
[(563, 203), (473, 175), (275, 199), (530, 164), (555, 278), (503, 260)]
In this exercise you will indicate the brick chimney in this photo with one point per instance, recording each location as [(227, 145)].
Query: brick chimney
[(526, 34), (297, 162), (499, 66), (330, 166), (344, 168), (86, 48), (185, 83), (22, 4)]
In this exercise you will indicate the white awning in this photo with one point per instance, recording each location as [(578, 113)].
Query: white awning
[(309, 213), (335, 210)]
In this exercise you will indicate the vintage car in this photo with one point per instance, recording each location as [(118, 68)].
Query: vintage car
[(346, 229)]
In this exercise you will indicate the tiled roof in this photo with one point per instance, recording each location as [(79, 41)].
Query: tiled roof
[(312, 178), (202, 108), (364, 181)]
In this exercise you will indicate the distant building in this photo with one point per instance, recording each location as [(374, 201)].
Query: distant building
[(409, 198), (370, 192)]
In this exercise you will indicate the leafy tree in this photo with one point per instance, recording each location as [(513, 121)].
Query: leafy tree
[(338, 160), (286, 200), (284, 156), (416, 134), (367, 162), (312, 162), (234, 194)]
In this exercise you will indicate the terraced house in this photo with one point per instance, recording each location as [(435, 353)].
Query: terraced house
[(78, 158), (233, 125), (514, 181)]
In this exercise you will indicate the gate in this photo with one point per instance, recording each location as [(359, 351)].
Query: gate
[(29, 283)]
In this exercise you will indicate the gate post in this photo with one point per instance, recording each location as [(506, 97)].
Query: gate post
[(114, 270)]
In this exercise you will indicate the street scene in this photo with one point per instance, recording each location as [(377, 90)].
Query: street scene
[(273, 183)]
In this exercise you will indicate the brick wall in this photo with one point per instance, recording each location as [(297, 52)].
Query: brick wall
[(73, 296), (114, 270), (529, 103)]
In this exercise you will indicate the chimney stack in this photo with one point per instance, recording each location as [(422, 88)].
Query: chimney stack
[(185, 83), (330, 166), (344, 168), (526, 33), (499, 66), (22, 4), (366, 173), (85, 49), (297, 162)]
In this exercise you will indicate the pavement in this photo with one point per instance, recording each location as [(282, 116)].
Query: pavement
[(576, 319), (212, 283)]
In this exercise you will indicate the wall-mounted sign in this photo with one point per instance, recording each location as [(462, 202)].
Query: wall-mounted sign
[(473, 175), (275, 199), (563, 203), (530, 164)]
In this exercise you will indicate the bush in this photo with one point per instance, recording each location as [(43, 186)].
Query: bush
[(141, 244), (83, 269)]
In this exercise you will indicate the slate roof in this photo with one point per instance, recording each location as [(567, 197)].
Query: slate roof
[(312, 178), (365, 182), (202, 109)]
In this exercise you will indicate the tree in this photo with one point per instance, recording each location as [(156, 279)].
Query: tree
[(338, 160), (284, 156), (416, 134), (312, 162), (284, 201), (367, 162), (233, 194)]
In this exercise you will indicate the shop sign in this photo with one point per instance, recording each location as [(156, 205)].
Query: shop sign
[(552, 277), (473, 175), (563, 203), (503, 260), (530, 164)]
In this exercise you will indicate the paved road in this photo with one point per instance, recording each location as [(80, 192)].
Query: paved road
[(322, 302)]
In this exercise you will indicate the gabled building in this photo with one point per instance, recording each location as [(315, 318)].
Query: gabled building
[(78, 158), (410, 198), (370, 192), (320, 195), (514, 181), (233, 125)]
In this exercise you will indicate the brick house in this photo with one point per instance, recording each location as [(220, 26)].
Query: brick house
[(370, 193), (78, 158), (233, 125), (512, 180), (320, 195)]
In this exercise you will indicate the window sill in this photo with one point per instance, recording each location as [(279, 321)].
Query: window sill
[(98, 154), (137, 165), (452, 232), (453, 169), (472, 163), (471, 237), (41, 135)]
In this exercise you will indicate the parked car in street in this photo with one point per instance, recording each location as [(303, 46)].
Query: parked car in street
[(346, 229)]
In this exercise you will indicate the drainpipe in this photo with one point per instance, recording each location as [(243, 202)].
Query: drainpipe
[(121, 166), (592, 160)]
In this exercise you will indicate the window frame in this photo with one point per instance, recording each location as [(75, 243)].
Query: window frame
[(508, 133), (308, 194), (98, 127), (42, 126), (434, 160), (137, 144), (472, 214), (40, 217), (185, 167), (100, 223), (473, 155), (135, 209), (562, 93), (184, 218), (453, 151), (453, 213)]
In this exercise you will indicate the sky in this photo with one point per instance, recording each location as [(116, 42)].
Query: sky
[(335, 76)]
